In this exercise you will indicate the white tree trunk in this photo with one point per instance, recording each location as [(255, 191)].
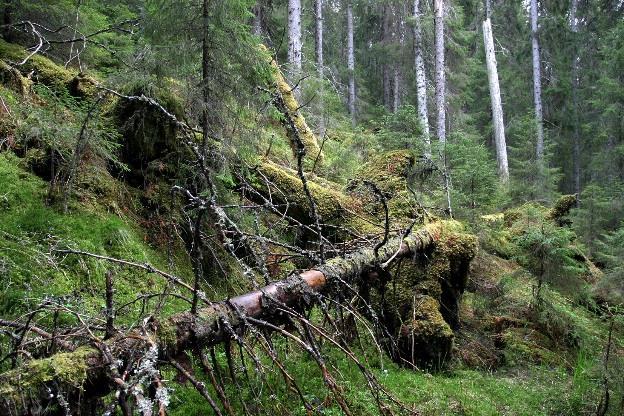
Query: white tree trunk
[(318, 48), (351, 61), (440, 93), (421, 80), (318, 38), (537, 84), (497, 107), (575, 86), (294, 35)]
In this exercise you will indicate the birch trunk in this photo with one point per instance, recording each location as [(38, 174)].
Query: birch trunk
[(537, 84), (318, 32), (575, 110), (318, 48), (294, 35), (351, 62), (439, 68), (495, 97), (421, 80)]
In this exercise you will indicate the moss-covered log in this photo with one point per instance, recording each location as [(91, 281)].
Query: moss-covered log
[(295, 124), (84, 371)]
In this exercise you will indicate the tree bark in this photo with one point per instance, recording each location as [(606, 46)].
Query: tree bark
[(440, 70), (537, 84), (396, 84), (294, 35), (186, 332), (386, 37), (421, 79), (318, 32), (575, 110), (257, 11), (495, 97), (205, 71), (351, 62)]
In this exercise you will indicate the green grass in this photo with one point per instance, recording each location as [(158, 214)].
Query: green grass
[(30, 230)]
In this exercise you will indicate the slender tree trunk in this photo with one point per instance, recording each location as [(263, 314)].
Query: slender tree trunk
[(421, 80), (440, 69), (351, 61), (318, 31), (294, 35), (575, 104), (257, 11), (206, 78), (318, 48), (537, 84), (387, 73), (495, 97), (397, 89)]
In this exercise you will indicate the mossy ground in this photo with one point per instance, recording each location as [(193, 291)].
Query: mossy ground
[(30, 230)]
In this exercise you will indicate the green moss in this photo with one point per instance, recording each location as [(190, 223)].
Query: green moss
[(68, 369), (391, 173), (333, 206), (11, 78), (308, 138), (43, 69), (561, 208), (167, 335)]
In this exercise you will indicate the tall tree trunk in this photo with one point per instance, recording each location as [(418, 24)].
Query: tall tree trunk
[(397, 89), (575, 110), (440, 92), (537, 84), (318, 48), (351, 61), (294, 35), (257, 11), (205, 73), (421, 80), (495, 97), (385, 40), (318, 38)]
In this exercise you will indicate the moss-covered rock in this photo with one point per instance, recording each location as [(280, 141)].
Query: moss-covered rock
[(148, 134)]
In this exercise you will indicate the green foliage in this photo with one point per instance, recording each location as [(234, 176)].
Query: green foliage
[(475, 186), (546, 250)]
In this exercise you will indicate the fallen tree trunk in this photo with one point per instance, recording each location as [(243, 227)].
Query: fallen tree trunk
[(90, 371)]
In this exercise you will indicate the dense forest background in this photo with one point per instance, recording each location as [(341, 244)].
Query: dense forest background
[(166, 137)]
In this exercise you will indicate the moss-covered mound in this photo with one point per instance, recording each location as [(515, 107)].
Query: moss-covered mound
[(38, 67)]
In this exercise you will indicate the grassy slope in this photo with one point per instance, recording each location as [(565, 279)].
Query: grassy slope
[(29, 229)]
